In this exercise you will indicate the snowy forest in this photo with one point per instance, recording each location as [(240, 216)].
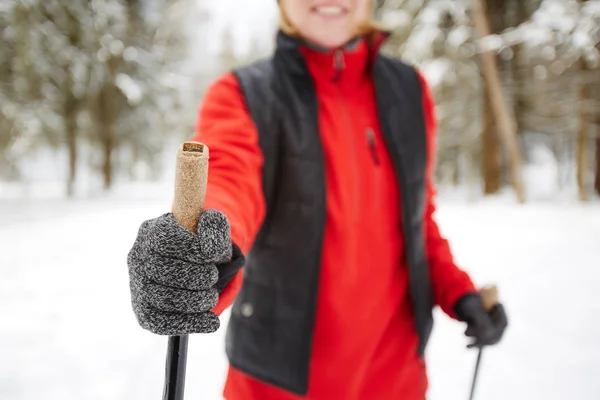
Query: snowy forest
[(96, 96), (96, 93)]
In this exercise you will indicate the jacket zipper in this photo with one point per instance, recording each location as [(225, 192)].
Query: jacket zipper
[(339, 65), (372, 144)]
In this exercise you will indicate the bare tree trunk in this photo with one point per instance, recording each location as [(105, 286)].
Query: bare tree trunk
[(70, 115), (503, 117), (582, 159), (519, 73), (71, 107), (582, 136), (456, 170), (596, 118), (107, 166), (490, 151), (490, 145), (105, 123), (597, 174), (597, 179)]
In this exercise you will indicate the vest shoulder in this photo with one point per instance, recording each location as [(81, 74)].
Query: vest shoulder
[(261, 69), (404, 72), (255, 81), (396, 63), (398, 66)]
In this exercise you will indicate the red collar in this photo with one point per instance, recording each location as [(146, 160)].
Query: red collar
[(346, 67)]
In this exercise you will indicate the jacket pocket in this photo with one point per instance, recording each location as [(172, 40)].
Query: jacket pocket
[(264, 344), (254, 305), (250, 333)]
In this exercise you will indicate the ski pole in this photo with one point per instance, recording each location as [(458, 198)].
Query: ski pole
[(489, 298), (175, 368), (191, 173), (477, 363)]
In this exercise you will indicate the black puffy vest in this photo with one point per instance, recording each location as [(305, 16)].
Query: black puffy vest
[(269, 334)]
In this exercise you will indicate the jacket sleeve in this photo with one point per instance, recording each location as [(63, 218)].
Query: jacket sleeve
[(234, 185), (448, 281)]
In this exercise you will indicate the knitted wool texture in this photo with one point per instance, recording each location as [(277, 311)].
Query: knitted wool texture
[(173, 273)]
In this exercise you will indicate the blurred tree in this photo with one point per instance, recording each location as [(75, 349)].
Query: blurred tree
[(135, 102), (94, 77), (538, 58), (515, 13), (490, 143), (503, 116), (595, 116), (585, 122), (563, 56), (597, 169), (7, 107), (71, 100), (437, 37), (583, 148), (39, 98)]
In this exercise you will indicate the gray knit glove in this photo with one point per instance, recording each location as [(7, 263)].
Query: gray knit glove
[(173, 273)]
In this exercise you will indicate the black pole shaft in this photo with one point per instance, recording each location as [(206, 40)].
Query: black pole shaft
[(175, 368), (476, 373)]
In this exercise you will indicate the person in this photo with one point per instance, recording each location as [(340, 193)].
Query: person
[(319, 228)]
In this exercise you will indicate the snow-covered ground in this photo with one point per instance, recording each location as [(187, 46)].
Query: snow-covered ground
[(67, 331)]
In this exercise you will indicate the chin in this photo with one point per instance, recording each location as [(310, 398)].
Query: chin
[(330, 41)]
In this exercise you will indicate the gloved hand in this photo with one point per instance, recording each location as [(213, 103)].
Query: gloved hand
[(485, 327), (175, 275)]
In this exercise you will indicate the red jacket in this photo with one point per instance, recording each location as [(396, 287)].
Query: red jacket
[(364, 341)]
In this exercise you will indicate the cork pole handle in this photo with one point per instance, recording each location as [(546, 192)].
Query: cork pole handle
[(489, 297), (191, 174)]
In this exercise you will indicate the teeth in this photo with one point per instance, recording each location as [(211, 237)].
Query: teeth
[(329, 10)]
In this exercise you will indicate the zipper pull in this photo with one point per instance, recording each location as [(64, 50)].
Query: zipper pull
[(338, 59), (372, 145), (338, 63)]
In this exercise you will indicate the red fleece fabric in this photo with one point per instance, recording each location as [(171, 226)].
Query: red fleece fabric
[(364, 341)]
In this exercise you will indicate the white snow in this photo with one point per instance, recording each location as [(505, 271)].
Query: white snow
[(67, 330)]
